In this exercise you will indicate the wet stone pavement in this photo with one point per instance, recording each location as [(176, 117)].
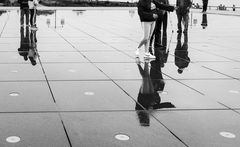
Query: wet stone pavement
[(76, 82)]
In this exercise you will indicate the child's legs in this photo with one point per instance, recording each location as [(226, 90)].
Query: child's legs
[(21, 16), (146, 26), (32, 17), (179, 16), (149, 34), (26, 11), (186, 21)]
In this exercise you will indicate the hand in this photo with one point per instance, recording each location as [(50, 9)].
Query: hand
[(155, 16)]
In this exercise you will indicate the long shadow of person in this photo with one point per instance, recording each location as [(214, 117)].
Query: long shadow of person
[(148, 96), (182, 59), (24, 42)]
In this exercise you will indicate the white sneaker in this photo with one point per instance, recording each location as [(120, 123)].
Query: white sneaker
[(137, 53), (148, 55)]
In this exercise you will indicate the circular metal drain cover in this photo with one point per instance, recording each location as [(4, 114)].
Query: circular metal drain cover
[(122, 137), (71, 70), (227, 134), (14, 71), (89, 93), (13, 139), (13, 94)]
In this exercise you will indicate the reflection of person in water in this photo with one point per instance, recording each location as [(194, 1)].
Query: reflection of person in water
[(24, 43), (32, 53), (28, 45), (181, 53), (148, 96), (204, 20)]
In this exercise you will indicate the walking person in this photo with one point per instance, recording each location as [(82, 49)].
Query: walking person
[(148, 16), (205, 4), (24, 12), (182, 11), (33, 11)]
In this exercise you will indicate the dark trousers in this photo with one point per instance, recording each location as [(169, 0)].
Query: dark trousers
[(33, 17), (24, 12), (161, 26), (205, 4), (185, 18)]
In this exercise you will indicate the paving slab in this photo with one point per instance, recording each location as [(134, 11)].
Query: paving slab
[(63, 57), (85, 131), (90, 96), (33, 129), (203, 128), (26, 97), (21, 72), (227, 92), (73, 71)]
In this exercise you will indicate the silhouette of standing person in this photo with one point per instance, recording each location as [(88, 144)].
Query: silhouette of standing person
[(32, 53), (205, 5), (204, 23), (182, 11), (181, 53)]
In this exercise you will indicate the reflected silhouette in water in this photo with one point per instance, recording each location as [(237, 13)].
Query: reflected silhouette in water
[(24, 42), (2, 11), (204, 23), (152, 84), (32, 53), (182, 59), (28, 45)]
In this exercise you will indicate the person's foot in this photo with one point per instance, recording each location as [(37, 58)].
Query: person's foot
[(148, 55)]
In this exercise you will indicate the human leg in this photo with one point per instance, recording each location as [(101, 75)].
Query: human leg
[(179, 17), (158, 27), (27, 16), (186, 21), (165, 23), (31, 16), (21, 17)]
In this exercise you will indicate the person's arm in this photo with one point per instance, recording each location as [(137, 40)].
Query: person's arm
[(189, 4), (163, 6), (142, 6)]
